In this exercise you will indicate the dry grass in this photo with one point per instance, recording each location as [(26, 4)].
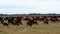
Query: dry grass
[(51, 28)]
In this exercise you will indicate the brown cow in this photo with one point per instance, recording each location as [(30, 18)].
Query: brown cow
[(31, 22), (11, 20), (46, 21), (5, 22), (1, 19), (17, 21)]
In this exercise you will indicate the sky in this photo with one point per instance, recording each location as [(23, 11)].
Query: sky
[(29, 6)]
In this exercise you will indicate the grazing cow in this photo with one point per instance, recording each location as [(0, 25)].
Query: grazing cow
[(57, 20), (52, 20), (1, 19), (11, 20), (17, 21), (5, 22), (35, 22), (46, 22), (47, 19), (31, 22)]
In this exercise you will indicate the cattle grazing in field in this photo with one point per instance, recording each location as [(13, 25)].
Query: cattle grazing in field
[(31, 22), (17, 20), (57, 20)]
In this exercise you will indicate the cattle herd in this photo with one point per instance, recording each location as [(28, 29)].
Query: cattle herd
[(30, 20)]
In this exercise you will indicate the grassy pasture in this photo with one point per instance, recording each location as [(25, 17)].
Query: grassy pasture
[(41, 28)]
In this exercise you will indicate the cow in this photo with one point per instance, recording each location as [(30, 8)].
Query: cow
[(31, 22), (17, 21), (46, 22), (57, 20), (1, 19), (52, 20), (5, 22), (11, 20)]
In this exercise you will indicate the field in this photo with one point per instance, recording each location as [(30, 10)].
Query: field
[(41, 28)]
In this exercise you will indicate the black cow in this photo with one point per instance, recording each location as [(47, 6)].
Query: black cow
[(11, 20)]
